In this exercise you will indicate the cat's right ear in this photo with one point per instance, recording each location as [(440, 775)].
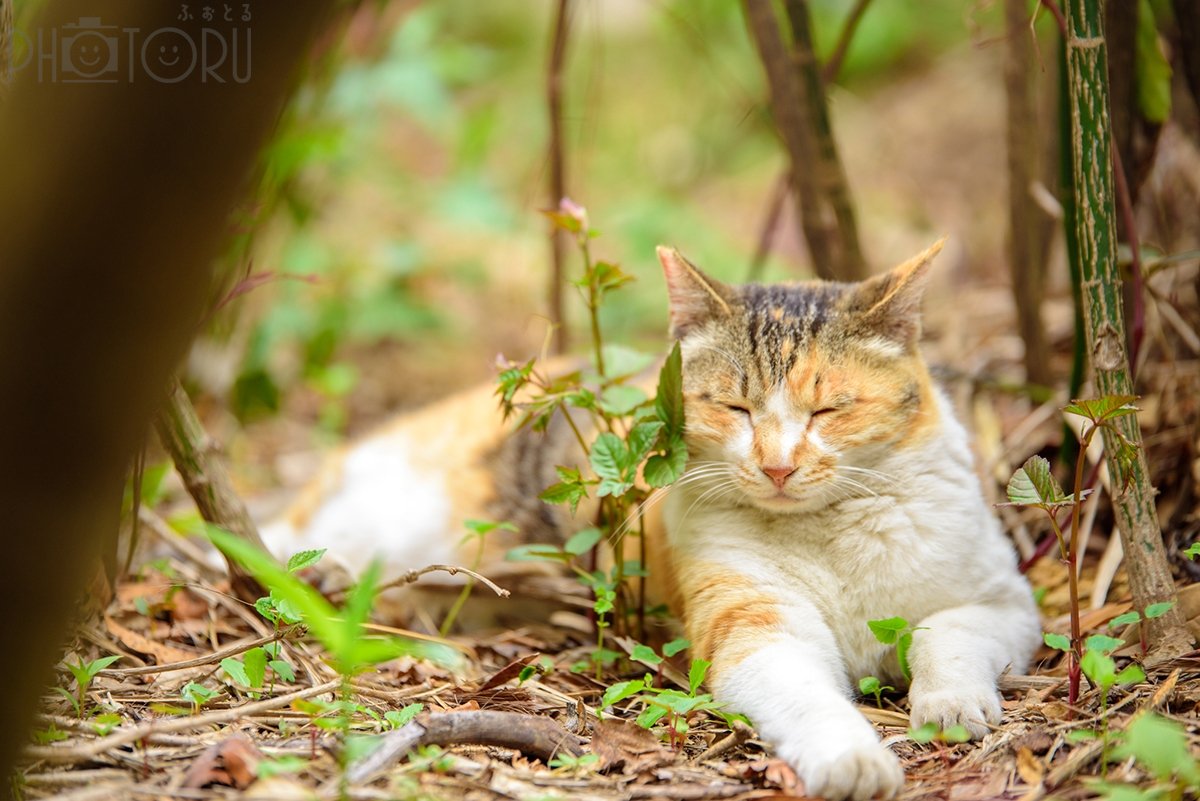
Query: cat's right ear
[(694, 297)]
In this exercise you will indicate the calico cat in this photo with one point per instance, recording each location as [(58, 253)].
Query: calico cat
[(828, 485)]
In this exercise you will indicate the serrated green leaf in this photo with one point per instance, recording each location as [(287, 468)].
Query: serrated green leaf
[(620, 399), (401, 717), (235, 670), (675, 646), (615, 488), (1059, 642), (621, 361), (1034, 485), (255, 663), (1103, 643), (1158, 609), (563, 492), (609, 457), (696, 673), (583, 541), (299, 561), (1100, 409), (1124, 620)]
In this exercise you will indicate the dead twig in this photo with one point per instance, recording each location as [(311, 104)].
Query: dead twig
[(80, 752), (412, 575), (534, 736), (834, 65), (738, 734), (200, 661)]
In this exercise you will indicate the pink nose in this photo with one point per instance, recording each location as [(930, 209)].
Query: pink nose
[(778, 474)]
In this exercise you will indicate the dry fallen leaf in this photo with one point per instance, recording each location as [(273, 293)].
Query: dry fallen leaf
[(1030, 767), (508, 672), (142, 644), (231, 763), (624, 743)]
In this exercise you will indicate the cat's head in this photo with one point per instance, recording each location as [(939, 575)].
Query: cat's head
[(794, 393)]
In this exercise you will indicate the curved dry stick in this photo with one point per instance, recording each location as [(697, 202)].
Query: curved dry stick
[(531, 735), (413, 575), (200, 661)]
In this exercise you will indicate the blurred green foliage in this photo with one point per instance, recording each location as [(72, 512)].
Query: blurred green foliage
[(409, 171)]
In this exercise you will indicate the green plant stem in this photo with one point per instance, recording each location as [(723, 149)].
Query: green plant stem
[(464, 594), (593, 303), (344, 729), (641, 602), (1073, 573)]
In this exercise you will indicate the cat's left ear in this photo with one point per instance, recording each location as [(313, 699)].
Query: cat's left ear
[(889, 305), (695, 298)]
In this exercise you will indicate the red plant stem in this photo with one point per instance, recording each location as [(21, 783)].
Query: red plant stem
[(1073, 574), (1056, 12)]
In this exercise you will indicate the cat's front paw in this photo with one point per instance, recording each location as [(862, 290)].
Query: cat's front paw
[(860, 772), (970, 707)]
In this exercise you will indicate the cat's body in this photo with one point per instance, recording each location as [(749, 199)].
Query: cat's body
[(829, 484)]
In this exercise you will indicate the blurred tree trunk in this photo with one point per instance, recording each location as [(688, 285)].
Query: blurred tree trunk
[(802, 115), (113, 213), (1028, 236), (558, 169), (1095, 229)]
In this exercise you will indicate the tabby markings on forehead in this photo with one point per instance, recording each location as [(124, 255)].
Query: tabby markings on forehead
[(782, 321)]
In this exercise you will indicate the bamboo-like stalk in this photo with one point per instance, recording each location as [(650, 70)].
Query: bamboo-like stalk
[(1027, 247), (6, 38), (1096, 234)]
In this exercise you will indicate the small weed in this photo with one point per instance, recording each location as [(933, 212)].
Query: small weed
[(1134, 616), (397, 718), (476, 530), (197, 695), (931, 733), (584, 763), (898, 632), (870, 685), (84, 673), (1101, 670)]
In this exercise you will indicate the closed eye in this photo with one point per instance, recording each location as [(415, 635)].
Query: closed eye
[(826, 410), (733, 407)]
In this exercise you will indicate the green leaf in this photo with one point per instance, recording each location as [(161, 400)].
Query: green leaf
[(664, 470), (255, 663), (1100, 409), (609, 457), (583, 541), (642, 438), (566, 493), (1099, 668), (97, 665), (619, 399), (196, 694), (1159, 609), (1059, 642), (235, 670), (1102, 643), (668, 401), (537, 552), (675, 646), (1192, 551), (697, 673), (283, 670), (1161, 746), (1124, 620), (887, 630), (902, 645), (1034, 485), (1132, 674), (620, 691), (401, 717), (483, 527), (1080, 735), (650, 715), (869, 685), (956, 734), (1152, 70), (925, 734), (278, 766), (622, 362), (644, 653)]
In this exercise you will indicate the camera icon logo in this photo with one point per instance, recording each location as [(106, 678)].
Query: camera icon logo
[(89, 51)]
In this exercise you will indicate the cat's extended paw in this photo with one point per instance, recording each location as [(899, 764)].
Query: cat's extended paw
[(970, 707), (860, 772)]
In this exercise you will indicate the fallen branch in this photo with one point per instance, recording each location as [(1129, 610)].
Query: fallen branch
[(200, 661), (413, 575), (533, 736), (81, 752), (738, 734)]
